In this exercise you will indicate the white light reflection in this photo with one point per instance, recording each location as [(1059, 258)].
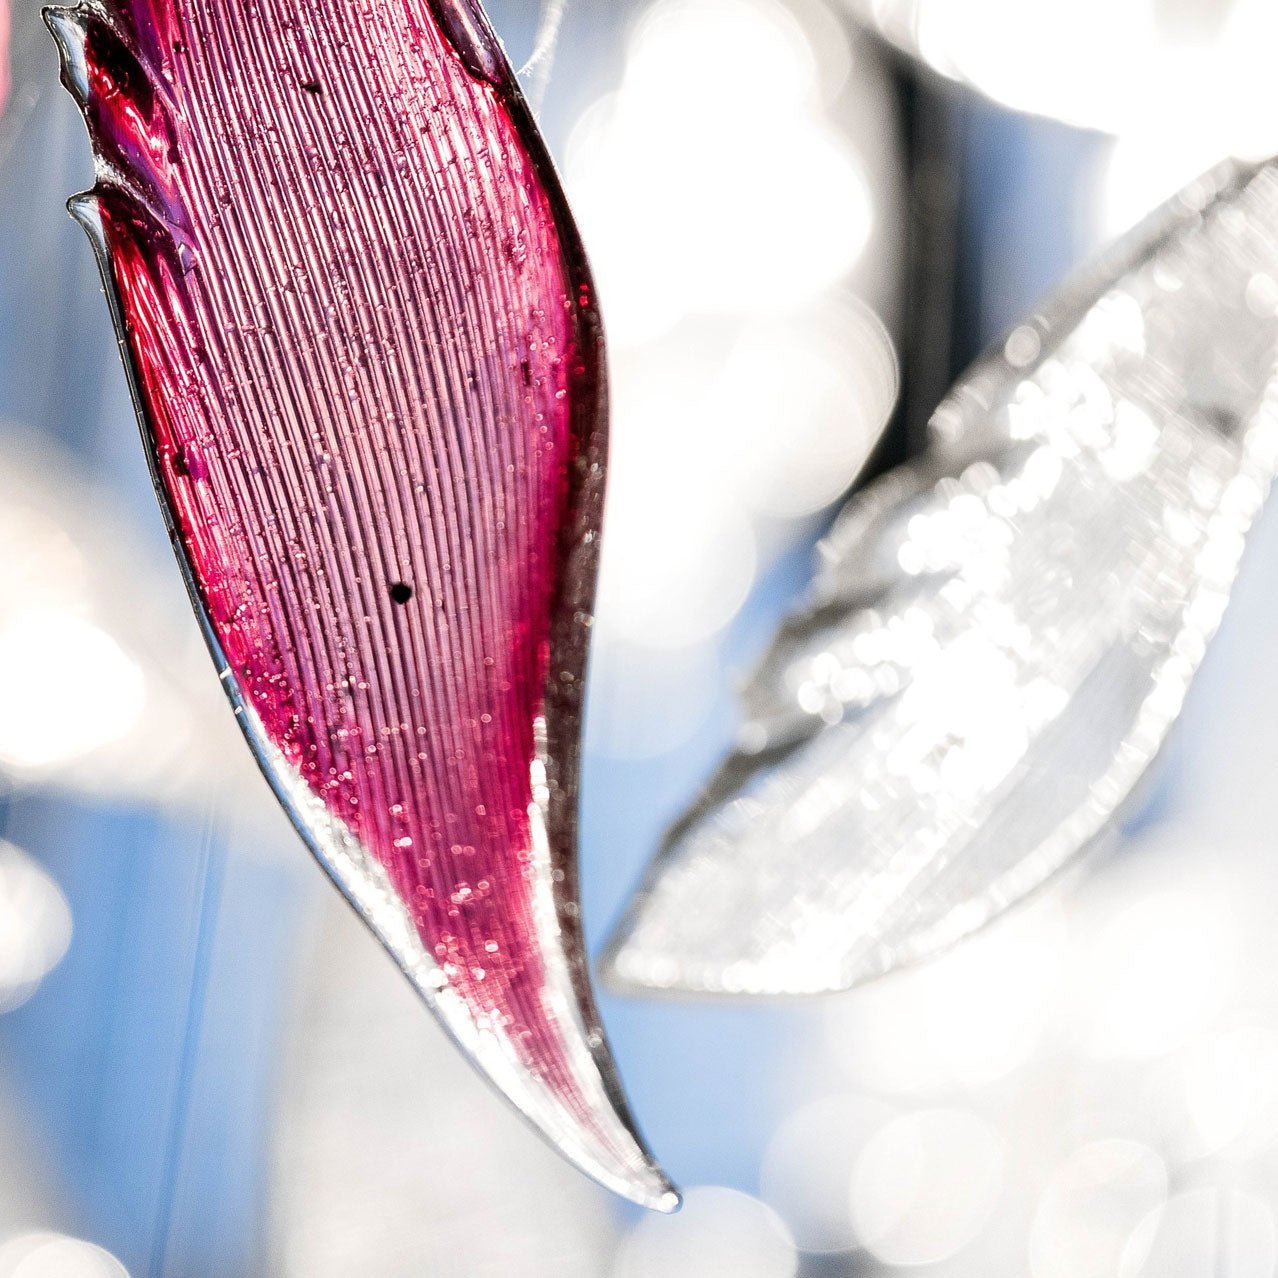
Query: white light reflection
[(678, 556), (45, 1255), (35, 927), (926, 1186), (104, 683), (800, 404), (727, 192), (1158, 972), (966, 1019), (1090, 1207), (1182, 67), (719, 1233), (1231, 1090), (1144, 167), (1205, 1233), (807, 1170), (700, 194), (66, 686)]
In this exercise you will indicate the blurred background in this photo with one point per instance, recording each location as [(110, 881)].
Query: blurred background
[(806, 217)]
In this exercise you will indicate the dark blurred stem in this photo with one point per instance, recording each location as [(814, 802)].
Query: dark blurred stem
[(931, 138)]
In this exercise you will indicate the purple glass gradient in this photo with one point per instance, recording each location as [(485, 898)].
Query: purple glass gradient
[(364, 346)]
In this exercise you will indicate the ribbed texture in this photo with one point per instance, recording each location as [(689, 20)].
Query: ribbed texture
[(368, 362)]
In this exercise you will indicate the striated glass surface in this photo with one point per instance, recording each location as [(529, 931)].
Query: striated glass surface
[(363, 344), (1000, 635)]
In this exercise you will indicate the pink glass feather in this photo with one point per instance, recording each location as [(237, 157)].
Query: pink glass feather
[(363, 344)]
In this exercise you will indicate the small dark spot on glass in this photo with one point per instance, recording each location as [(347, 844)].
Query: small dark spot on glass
[(401, 592), (313, 87)]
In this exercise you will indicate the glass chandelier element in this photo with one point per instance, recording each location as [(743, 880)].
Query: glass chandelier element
[(1000, 635), (363, 344)]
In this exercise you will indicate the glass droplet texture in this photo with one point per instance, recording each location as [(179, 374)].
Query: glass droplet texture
[(1000, 635), (364, 349)]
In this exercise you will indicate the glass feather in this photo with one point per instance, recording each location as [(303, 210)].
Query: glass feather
[(363, 344), (999, 636)]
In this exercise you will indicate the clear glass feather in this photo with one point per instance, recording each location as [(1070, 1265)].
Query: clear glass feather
[(1000, 635)]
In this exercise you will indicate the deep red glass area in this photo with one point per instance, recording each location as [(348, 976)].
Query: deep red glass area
[(370, 373)]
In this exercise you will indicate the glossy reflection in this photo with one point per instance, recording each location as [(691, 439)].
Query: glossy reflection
[(35, 926), (46, 1255), (1112, 66)]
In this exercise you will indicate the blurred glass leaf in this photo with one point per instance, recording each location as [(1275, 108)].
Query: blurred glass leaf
[(1000, 635)]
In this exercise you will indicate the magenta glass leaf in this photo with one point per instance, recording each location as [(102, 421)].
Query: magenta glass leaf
[(364, 349)]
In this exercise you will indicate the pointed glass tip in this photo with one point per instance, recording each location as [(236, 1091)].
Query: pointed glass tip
[(68, 28), (658, 1195)]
